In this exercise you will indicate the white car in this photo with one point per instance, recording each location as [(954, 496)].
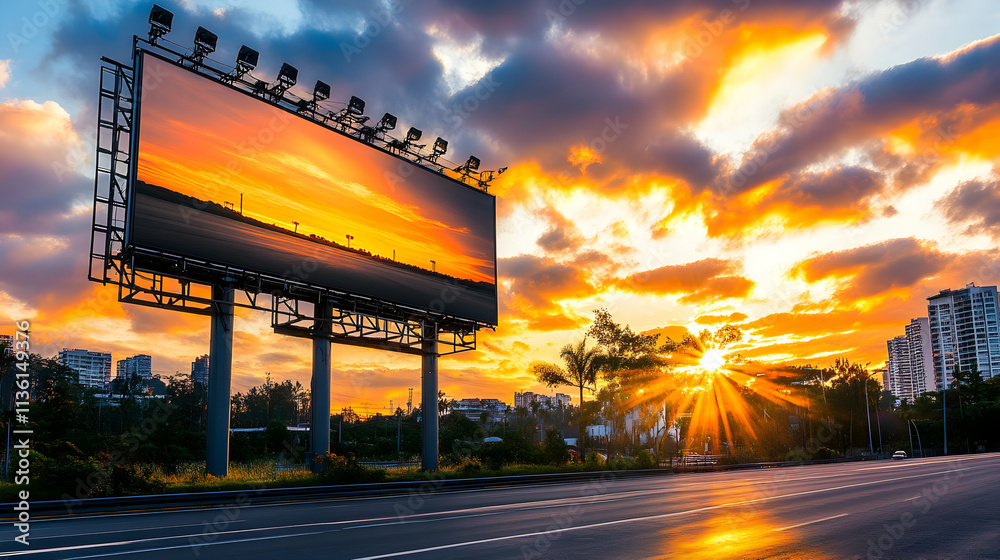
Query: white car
[(899, 455)]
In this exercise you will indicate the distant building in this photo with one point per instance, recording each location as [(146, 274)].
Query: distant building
[(473, 409), (94, 368), (964, 332), (199, 370), (524, 399), (140, 364), (527, 397), (8, 343)]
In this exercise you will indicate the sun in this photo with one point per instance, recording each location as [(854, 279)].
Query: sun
[(712, 360)]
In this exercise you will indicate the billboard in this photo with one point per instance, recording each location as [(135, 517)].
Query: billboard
[(223, 177)]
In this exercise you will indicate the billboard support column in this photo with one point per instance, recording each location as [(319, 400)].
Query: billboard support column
[(429, 395), (319, 425), (220, 374)]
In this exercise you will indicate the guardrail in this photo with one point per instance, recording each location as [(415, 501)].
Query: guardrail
[(56, 508)]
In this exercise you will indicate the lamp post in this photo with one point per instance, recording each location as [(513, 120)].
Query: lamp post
[(918, 439)]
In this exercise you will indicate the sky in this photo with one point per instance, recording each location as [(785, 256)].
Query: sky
[(808, 171)]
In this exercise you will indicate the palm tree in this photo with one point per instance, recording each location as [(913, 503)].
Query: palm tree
[(582, 366)]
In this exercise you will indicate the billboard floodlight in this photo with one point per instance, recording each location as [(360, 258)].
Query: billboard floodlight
[(205, 41), (246, 60), (470, 165), (287, 76), (413, 134), (304, 106), (388, 122), (160, 20), (439, 149), (321, 91), (356, 106)]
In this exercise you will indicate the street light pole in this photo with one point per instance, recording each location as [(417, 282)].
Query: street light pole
[(918, 440)]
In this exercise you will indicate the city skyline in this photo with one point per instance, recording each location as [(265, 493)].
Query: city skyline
[(809, 173)]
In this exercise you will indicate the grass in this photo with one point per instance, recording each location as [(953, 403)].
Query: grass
[(191, 477)]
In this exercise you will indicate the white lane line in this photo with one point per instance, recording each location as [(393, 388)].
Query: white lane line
[(810, 522), (124, 552), (650, 517), (144, 529), (911, 463)]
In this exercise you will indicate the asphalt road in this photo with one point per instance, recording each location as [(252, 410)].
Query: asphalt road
[(946, 507)]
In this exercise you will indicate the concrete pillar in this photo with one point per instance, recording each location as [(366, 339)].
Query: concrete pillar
[(220, 375), (429, 396), (319, 424)]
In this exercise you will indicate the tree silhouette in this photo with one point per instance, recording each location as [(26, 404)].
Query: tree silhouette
[(582, 366)]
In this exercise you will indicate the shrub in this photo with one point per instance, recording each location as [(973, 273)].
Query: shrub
[(469, 466), (593, 461), (554, 451), (340, 469), (645, 460)]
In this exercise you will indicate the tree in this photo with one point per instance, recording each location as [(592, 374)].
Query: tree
[(621, 349), (581, 370)]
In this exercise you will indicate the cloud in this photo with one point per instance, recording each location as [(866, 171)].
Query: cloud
[(4, 72), (976, 203), (835, 119), (699, 281), (875, 269), (562, 235), (532, 287), (734, 317)]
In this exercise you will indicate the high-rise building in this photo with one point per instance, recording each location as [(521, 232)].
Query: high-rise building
[(7, 341), (964, 332), (918, 337), (563, 400), (94, 368), (199, 370), (899, 371), (140, 364)]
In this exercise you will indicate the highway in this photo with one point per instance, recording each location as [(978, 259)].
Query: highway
[(944, 507)]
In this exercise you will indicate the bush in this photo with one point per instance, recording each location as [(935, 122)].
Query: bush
[(554, 450), (593, 461), (131, 480), (340, 469), (469, 466), (645, 460)]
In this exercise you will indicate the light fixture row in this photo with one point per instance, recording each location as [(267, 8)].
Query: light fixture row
[(352, 116)]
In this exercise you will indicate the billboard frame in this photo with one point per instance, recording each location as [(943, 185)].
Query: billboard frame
[(159, 279)]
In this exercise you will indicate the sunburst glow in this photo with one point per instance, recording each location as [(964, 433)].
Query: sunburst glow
[(712, 360)]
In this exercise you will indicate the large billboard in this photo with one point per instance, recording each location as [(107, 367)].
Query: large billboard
[(223, 177)]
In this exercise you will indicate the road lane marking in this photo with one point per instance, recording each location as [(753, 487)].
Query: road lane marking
[(810, 522), (648, 517), (917, 464), (124, 552), (89, 533)]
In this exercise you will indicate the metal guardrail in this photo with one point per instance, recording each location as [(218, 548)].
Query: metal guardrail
[(57, 508), (54, 508)]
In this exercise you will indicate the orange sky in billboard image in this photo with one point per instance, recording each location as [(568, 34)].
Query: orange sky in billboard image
[(203, 140)]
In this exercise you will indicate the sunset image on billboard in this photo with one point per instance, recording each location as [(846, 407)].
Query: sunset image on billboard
[(224, 177)]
